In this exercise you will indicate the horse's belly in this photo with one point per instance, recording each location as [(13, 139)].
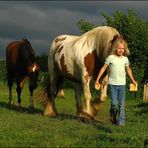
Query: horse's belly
[(67, 67)]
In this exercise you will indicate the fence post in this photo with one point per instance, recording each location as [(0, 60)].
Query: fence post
[(145, 94)]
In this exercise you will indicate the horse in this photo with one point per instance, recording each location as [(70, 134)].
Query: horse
[(79, 59), (21, 64)]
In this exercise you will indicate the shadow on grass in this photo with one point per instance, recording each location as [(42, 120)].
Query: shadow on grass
[(97, 124), (20, 109), (143, 108)]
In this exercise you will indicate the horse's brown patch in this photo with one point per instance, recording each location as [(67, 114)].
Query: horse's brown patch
[(59, 49), (64, 68), (89, 61), (59, 39), (63, 65), (93, 64)]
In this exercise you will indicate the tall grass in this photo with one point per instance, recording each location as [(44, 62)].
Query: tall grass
[(22, 128)]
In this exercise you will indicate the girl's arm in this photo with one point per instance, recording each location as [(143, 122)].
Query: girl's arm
[(101, 73), (130, 74)]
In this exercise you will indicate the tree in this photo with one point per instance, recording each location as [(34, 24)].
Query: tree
[(134, 30), (85, 26), (43, 60)]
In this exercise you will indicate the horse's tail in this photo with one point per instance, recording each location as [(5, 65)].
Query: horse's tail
[(43, 93)]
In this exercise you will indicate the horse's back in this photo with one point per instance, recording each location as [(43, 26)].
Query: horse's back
[(61, 55), (12, 53)]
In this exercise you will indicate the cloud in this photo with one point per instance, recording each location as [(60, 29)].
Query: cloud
[(42, 21)]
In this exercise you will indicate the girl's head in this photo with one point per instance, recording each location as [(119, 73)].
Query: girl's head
[(120, 47)]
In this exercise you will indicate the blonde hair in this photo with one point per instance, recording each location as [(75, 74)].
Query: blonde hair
[(120, 41)]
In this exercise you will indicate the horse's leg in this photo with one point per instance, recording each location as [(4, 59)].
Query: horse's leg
[(78, 91), (88, 109), (18, 90), (103, 96), (10, 83), (60, 93), (31, 97), (32, 87), (104, 88)]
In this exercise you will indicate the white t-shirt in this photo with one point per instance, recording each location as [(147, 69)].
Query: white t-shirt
[(117, 66)]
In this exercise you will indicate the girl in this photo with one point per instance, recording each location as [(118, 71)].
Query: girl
[(117, 63)]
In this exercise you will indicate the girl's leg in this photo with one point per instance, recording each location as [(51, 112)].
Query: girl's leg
[(114, 103), (121, 119)]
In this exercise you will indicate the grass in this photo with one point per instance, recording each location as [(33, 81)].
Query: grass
[(22, 128)]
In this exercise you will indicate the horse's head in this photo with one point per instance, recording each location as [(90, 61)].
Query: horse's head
[(28, 46), (105, 37), (33, 72), (32, 65)]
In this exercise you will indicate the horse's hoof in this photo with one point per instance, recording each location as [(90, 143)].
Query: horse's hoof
[(49, 114), (103, 98), (10, 104), (60, 96), (18, 105), (95, 104), (85, 116), (49, 110)]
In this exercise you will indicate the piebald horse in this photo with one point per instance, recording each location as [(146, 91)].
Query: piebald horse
[(21, 64), (79, 59)]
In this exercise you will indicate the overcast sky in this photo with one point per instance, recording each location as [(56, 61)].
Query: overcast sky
[(41, 21)]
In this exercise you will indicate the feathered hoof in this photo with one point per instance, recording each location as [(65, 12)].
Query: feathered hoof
[(49, 114), (103, 98), (18, 105), (84, 115), (10, 104), (48, 111), (95, 104), (61, 94)]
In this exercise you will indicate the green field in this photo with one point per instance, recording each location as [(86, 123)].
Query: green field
[(22, 128)]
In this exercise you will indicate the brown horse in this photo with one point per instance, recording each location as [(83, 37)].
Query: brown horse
[(21, 64), (79, 59)]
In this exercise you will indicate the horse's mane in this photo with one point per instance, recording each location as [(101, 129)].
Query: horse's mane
[(98, 38), (27, 43)]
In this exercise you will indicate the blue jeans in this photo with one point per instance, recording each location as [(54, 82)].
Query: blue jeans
[(118, 103)]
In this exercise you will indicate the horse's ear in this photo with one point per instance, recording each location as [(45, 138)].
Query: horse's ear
[(115, 38), (125, 37), (37, 58)]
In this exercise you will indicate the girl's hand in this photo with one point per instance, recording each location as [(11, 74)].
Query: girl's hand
[(97, 86), (135, 82)]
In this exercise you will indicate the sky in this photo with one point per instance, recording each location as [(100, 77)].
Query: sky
[(41, 21)]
